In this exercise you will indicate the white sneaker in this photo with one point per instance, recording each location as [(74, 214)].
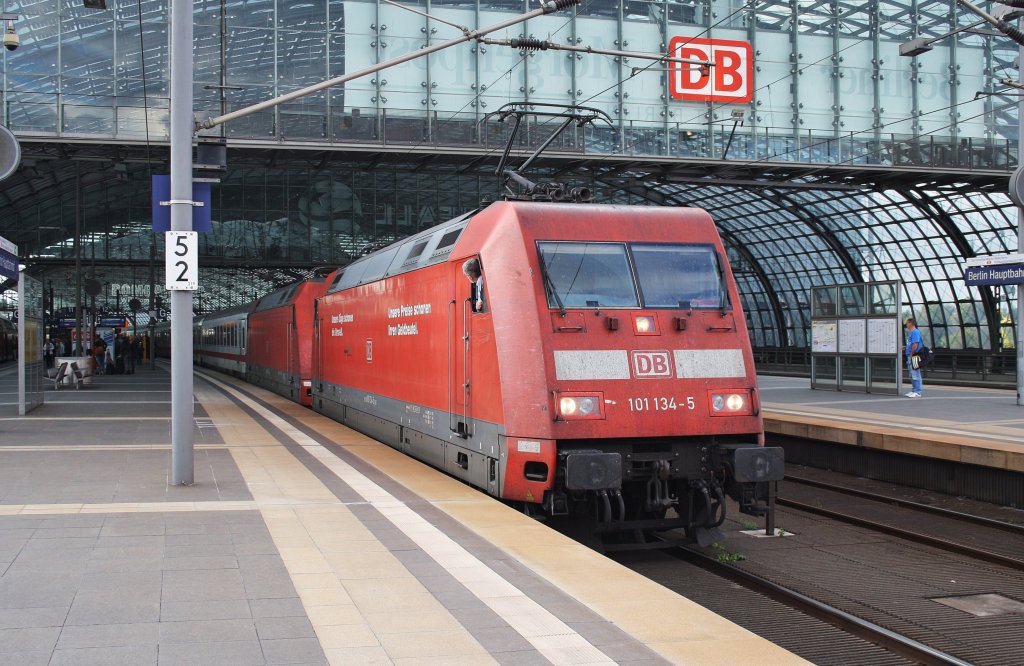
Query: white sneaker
[(912, 394)]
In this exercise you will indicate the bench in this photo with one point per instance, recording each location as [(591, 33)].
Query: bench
[(57, 375), (77, 375)]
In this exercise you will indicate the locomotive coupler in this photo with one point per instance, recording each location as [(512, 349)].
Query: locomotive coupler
[(659, 497), (706, 511)]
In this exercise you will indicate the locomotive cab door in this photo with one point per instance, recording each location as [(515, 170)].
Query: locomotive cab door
[(467, 302), (292, 362)]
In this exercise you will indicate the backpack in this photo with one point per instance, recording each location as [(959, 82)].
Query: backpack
[(925, 355)]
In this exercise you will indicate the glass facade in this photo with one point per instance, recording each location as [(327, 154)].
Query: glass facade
[(826, 86), (826, 83)]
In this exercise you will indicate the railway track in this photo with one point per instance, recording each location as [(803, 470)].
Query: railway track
[(942, 543), (862, 575), (890, 640), (895, 501)]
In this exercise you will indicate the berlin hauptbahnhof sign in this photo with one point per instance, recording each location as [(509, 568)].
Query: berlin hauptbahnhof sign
[(8, 259), (995, 270)]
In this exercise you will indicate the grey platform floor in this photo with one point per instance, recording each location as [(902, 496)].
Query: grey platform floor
[(982, 415), (145, 587), (271, 557)]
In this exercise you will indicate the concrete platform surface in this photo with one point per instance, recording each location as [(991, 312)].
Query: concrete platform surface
[(971, 425), (301, 542)]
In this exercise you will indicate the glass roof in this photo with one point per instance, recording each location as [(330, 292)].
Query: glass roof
[(805, 238)]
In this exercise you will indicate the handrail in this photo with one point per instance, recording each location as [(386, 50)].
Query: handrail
[(973, 367), (323, 124)]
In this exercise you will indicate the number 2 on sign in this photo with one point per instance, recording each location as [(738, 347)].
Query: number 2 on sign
[(181, 252)]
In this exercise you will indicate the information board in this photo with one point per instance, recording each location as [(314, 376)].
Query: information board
[(823, 337), (856, 347), (882, 336), (852, 338)]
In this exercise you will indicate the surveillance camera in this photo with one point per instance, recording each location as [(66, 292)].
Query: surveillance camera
[(11, 40)]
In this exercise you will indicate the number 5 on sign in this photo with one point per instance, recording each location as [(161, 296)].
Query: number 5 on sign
[(181, 260)]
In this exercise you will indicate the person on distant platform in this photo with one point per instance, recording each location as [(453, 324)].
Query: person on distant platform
[(913, 346), (132, 354), (471, 269), (99, 352)]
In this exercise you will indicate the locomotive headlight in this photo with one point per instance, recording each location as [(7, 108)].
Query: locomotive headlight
[(645, 324), (580, 406), (728, 404)]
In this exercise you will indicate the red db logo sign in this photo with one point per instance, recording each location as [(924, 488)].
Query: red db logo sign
[(651, 364), (731, 79)]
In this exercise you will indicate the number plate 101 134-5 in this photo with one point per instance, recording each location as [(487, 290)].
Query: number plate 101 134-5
[(181, 260)]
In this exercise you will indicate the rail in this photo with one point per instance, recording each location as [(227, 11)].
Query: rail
[(890, 640), (917, 506), (917, 537)]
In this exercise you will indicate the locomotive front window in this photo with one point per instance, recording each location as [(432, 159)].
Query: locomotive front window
[(587, 275), (679, 276)]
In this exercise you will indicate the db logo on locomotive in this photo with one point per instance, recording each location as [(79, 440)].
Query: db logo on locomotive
[(648, 364)]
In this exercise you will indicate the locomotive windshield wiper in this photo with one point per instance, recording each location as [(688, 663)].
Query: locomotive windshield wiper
[(549, 285)]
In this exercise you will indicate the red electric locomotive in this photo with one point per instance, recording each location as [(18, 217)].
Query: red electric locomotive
[(280, 343), (600, 364)]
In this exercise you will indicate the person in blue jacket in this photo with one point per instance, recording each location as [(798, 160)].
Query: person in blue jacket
[(914, 344)]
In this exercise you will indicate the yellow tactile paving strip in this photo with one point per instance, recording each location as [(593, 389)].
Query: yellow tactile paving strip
[(122, 507), (350, 596), (988, 445)]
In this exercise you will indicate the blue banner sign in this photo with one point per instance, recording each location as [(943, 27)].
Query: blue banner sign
[(994, 274), (201, 220), (8, 259), (105, 322)]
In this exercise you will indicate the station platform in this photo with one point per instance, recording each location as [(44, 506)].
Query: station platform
[(300, 542), (977, 426)]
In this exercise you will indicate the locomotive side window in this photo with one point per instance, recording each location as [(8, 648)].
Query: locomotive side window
[(587, 275), (679, 276)]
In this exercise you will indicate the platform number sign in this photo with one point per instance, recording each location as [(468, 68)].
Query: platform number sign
[(181, 260)]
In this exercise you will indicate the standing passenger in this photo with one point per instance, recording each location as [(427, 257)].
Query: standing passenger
[(120, 353), (914, 344), (99, 352), (133, 353)]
